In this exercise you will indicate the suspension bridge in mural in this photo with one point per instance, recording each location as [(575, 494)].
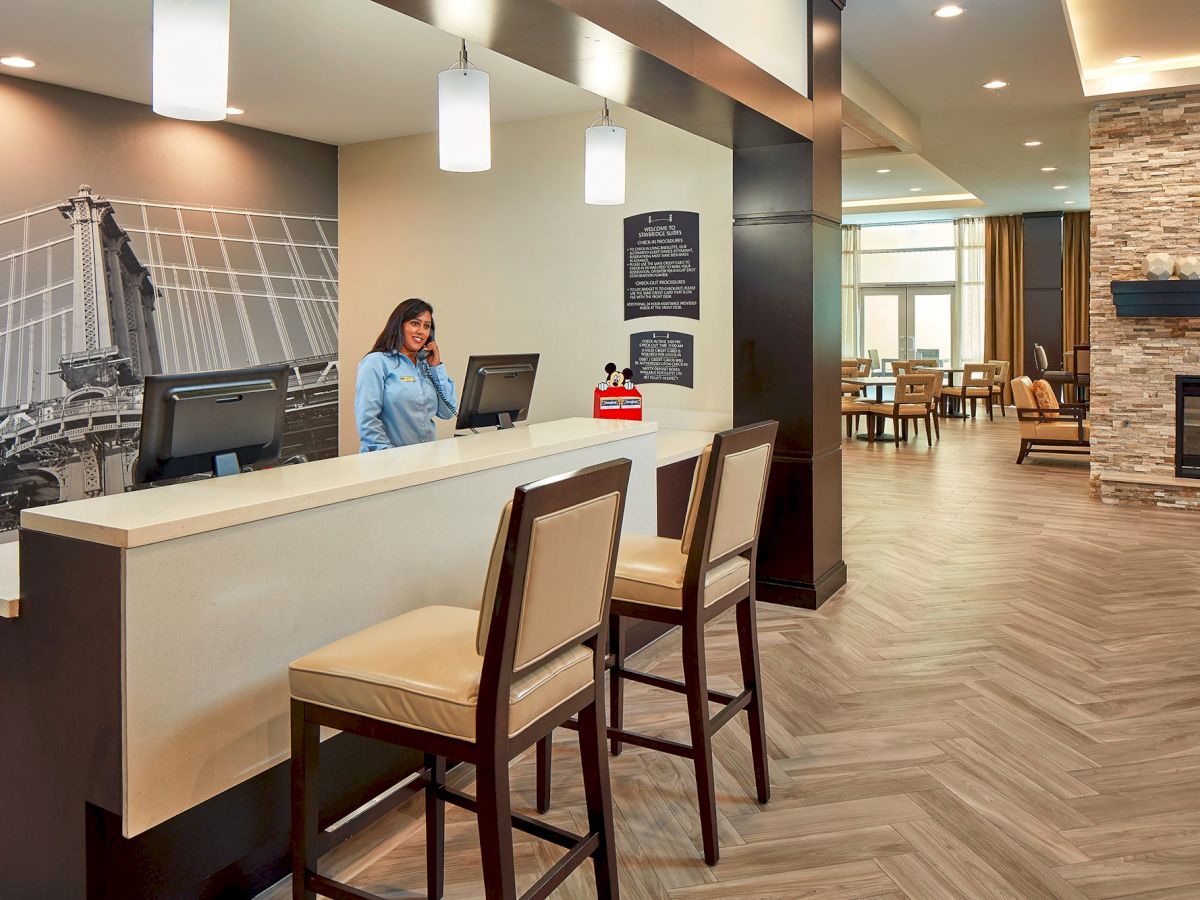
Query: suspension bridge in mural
[(97, 293)]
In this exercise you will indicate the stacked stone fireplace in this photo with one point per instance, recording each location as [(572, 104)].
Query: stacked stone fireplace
[(1145, 189)]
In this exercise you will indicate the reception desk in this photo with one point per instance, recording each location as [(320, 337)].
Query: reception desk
[(145, 701)]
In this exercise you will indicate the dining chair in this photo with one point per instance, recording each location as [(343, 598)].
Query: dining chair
[(999, 380), (976, 385), (913, 402)]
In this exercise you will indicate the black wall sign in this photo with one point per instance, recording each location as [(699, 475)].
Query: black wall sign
[(661, 357), (662, 265)]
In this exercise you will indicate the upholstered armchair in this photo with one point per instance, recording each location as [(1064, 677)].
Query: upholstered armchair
[(1050, 427)]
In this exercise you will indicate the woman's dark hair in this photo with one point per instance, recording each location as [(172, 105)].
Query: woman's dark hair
[(391, 339)]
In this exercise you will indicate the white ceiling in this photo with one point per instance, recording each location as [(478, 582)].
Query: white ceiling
[(862, 182), (338, 71), (1164, 33), (975, 137)]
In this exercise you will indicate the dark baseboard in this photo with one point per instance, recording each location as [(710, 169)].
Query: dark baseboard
[(800, 594), (237, 843)]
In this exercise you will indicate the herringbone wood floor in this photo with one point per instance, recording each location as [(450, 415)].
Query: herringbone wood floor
[(1003, 702)]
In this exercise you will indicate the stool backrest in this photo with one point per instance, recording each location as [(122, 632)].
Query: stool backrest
[(864, 366), (902, 366), (873, 356), (1039, 358), (1083, 359), (725, 511), (551, 571)]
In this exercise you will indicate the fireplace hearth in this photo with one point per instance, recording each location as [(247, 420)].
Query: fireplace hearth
[(1187, 426)]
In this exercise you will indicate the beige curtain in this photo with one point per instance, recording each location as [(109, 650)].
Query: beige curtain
[(1077, 263), (968, 242), (1004, 321), (851, 236)]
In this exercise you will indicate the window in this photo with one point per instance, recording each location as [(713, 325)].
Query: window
[(914, 289)]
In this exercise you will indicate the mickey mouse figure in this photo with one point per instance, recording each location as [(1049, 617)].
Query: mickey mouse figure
[(613, 378)]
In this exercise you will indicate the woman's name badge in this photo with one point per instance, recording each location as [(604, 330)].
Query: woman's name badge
[(407, 378)]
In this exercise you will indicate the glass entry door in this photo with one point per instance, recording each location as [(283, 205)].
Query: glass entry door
[(915, 321)]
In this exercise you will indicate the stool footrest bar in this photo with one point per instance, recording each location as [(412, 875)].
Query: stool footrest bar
[(662, 746), (559, 872), (335, 890), (668, 684), (735, 706), (537, 828)]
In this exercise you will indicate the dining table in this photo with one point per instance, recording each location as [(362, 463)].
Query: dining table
[(879, 382)]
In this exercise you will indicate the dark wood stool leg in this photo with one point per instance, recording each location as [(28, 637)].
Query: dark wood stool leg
[(493, 806), (616, 683), (435, 827), (545, 753), (598, 792), (696, 679), (306, 800), (748, 649)]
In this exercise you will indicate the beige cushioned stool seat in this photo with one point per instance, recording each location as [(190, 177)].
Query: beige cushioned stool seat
[(970, 390), (650, 570), (421, 670)]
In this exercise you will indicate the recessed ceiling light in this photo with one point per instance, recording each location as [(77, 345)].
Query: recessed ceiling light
[(1060, 187), (949, 11), (915, 189), (1068, 202), (1126, 60), (995, 85), (1033, 143), (882, 171), (17, 62), (1049, 168), (234, 111)]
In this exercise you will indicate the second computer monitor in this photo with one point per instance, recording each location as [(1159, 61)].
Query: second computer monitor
[(497, 390)]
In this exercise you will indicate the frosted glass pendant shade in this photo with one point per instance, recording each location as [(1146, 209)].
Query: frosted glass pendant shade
[(464, 121), (604, 165), (191, 59)]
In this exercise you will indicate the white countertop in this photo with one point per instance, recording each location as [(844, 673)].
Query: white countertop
[(677, 444), (10, 580), (145, 517)]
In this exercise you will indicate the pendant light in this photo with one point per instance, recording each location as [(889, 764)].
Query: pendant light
[(464, 117), (604, 162), (191, 59)]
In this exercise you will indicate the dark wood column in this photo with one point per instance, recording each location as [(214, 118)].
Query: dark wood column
[(787, 331), (1043, 286)]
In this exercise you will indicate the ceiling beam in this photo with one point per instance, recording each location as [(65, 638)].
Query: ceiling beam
[(638, 53)]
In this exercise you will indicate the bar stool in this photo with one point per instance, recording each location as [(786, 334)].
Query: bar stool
[(689, 583), (482, 687)]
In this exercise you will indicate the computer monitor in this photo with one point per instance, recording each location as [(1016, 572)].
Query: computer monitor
[(210, 422), (497, 390)]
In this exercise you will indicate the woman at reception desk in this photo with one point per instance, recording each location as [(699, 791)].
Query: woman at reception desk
[(402, 383), (143, 683)]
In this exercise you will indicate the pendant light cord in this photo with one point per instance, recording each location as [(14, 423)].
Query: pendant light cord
[(605, 119)]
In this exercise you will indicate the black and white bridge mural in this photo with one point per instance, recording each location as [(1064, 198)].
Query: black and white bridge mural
[(97, 293)]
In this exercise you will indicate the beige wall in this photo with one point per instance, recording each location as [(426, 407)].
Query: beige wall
[(122, 149), (514, 261)]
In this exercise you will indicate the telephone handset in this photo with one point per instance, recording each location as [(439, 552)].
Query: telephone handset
[(423, 361)]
